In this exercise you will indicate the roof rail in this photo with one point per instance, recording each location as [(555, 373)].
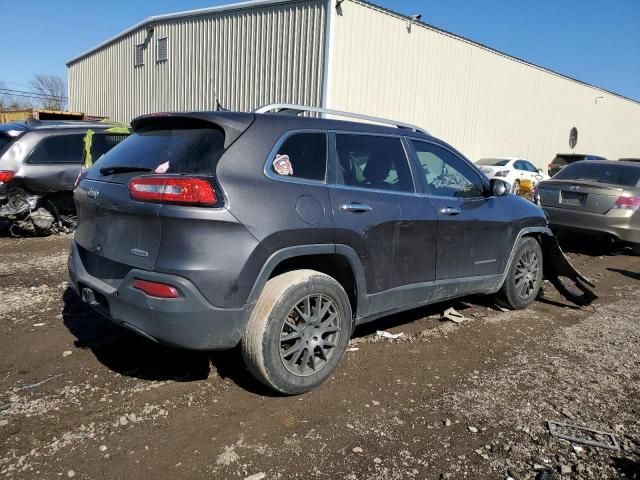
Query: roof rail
[(287, 108)]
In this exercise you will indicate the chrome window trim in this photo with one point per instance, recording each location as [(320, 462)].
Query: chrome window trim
[(274, 151)]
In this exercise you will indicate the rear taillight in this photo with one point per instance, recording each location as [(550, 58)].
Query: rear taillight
[(180, 190), (6, 176), (155, 289), (628, 203)]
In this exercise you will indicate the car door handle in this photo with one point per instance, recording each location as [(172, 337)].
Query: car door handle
[(450, 211), (355, 207)]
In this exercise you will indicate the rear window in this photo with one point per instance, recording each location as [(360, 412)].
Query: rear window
[(611, 174), (194, 151), (4, 142), (492, 162)]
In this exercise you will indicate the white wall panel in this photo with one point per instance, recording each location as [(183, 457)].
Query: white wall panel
[(484, 103)]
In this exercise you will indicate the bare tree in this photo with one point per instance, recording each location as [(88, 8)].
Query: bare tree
[(52, 89), (11, 102)]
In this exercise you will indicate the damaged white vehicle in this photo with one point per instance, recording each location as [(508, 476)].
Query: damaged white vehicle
[(39, 164)]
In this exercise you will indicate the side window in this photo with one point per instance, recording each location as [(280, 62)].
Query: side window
[(302, 155), (519, 165), (376, 162), (531, 167), (59, 149), (446, 174)]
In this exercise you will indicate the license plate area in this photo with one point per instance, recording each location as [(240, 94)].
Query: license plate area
[(575, 199)]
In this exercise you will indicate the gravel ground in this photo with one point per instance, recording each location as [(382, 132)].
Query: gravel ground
[(82, 398)]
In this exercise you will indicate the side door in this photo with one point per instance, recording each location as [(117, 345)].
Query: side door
[(54, 163), (376, 213), (472, 228)]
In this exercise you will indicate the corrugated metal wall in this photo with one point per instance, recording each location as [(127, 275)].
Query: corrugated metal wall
[(484, 103), (243, 58)]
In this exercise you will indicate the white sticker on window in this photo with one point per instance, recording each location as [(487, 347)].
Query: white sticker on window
[(282, 165), (162, 168)]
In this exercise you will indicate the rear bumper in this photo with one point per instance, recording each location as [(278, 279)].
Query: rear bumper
[(189, 322), (618, 224)]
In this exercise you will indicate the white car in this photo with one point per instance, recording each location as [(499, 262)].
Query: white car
[(511, 170)]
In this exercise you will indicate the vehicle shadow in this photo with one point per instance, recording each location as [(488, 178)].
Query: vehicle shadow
[(130, 355), (627, 467), (626, 273), (590, 246)]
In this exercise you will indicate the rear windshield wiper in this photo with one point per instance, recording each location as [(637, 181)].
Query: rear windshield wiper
[(122, 169)]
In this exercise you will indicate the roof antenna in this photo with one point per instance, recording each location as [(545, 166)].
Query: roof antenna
[(220, 108)]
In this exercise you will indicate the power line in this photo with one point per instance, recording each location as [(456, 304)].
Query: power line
[(17, 93)]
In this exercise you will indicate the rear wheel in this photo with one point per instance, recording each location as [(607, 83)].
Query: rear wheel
[(298, 331), (524, 279), (635, 248)]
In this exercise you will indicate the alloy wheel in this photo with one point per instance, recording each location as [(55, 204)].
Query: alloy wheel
[(527, 270), (309, 335)]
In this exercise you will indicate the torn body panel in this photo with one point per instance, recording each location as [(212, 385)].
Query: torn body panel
[(558, 269)]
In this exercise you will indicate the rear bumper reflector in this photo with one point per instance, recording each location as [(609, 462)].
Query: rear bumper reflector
[(155, 289)]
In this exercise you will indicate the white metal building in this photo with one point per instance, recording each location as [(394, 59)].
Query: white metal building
[(351, 55)]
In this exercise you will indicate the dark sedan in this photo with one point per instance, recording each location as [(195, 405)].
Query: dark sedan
[(596, 197)]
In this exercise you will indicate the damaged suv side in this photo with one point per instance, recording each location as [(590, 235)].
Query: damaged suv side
[(39, 164), (282, 233)]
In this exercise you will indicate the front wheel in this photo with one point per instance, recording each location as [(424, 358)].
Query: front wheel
[(524, 278), (298, 331)]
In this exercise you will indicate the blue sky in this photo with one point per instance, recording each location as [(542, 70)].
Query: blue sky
[(597, 41)]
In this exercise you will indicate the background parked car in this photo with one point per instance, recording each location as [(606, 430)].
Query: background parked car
[(39, 164), (511, 170), (630, 159), (564, 159), (596, 197)]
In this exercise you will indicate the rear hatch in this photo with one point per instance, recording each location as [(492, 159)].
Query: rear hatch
[(115, 232), (590, 186), (583, 196)]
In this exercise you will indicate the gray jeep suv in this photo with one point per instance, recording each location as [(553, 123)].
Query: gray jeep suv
[(281, 233)]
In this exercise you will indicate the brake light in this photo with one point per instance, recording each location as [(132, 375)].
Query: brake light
[(502, 173), (6, 176), (628, 203), (180, 190), (155, 289)]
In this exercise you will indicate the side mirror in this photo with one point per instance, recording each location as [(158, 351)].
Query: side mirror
[(498, 187)]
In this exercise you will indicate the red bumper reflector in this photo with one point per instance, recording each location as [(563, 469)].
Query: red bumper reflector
[(155, 289), (6, 176)]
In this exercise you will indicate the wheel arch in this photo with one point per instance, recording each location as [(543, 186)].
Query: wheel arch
[(535, 232), (338, 261)]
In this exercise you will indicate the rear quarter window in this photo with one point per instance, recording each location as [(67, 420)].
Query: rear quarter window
[(188, 150), (58, 149), (302, 155)]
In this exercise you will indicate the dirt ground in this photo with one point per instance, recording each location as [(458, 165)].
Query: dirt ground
[(82, 398)]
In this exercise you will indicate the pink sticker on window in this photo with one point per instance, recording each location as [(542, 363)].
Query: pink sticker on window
[(162, 168), (282, 165)]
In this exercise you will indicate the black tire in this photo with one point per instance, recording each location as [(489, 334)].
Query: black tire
[(635, 249), (522, 285), (266, 343)]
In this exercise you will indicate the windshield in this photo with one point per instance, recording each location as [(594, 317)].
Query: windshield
[(494, 162), (610, 173), (194, 151)]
